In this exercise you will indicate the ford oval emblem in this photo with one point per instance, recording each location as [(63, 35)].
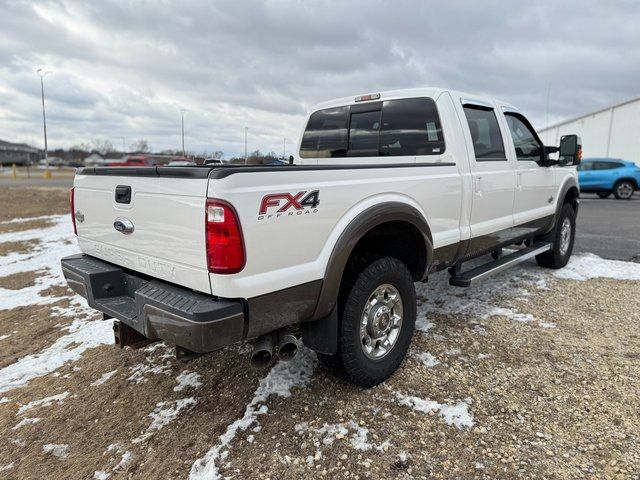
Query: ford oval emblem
[(123, 225)]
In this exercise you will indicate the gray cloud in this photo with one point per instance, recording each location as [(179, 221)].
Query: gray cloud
[(127, 68)]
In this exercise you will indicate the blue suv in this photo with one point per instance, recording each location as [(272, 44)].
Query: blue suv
[(609, 175)]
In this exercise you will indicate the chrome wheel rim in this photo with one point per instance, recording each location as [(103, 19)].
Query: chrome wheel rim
[(624, 190), (381, 322), (565, 236)]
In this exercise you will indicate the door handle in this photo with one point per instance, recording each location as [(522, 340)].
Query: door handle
[(478, 187), (519, 181)]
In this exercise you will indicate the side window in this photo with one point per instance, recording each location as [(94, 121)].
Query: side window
[(326, 134), (605, 165), (585, 166), (525, 141), (485, 133), (411, 126)]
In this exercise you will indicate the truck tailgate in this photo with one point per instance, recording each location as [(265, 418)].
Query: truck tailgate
[(168, 218)]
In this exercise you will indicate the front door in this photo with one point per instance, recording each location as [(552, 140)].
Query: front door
[(535, 184)]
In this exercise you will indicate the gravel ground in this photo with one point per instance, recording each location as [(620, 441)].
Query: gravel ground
[(528, 375)]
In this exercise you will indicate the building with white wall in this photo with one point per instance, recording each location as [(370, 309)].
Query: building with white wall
[(611, 132)]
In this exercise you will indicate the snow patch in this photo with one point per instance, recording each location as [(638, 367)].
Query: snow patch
[(4, 468), (187, 380), (82, 336), (428, 359), (281, 379), (2, 337), (152, 364), (163, 415), (330, 432), (26, 421), (587, 265), (44, 402), (457, 414), (57, 450), (104, 378)]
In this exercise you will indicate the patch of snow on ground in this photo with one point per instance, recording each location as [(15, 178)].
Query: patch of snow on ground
[(4, 468), (587, 265), (5, 400), (26, 421), (428, 359), (330, 432), (82, 336), (57, 450), (163, 415), (2, 337), (55, 242), (280, 380), (187, 380), (152, 364), (104, 378), (44, 402), (457, 414)]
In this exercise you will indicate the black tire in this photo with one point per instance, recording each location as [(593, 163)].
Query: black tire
[(557, 257), (623, 190), (351, 362), (603, 194)]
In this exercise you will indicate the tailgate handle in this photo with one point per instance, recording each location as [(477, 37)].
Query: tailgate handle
[(123, 194)]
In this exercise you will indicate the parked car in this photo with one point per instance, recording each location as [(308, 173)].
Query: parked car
[(384, 190), (605, 176), (181, 163)]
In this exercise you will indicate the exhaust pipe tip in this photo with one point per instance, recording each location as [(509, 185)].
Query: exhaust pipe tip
[(261, 359), (263, 351), (287, 347)]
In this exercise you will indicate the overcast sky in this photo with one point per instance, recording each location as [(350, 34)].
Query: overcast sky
[(127, 68)]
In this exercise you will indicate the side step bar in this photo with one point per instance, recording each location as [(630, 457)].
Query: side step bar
[(465, 279)]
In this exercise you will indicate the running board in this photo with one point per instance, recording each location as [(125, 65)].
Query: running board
[(465, 279)]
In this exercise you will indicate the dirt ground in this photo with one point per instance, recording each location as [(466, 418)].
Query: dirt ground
[(528, 376)]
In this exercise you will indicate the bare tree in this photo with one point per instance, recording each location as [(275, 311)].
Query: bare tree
[(217, 155), (140, 146), (102, 146)]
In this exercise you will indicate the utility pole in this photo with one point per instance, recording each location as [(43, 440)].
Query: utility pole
[(43, 73), (245, 144), (123, 152), (183, 151), (284, 147)]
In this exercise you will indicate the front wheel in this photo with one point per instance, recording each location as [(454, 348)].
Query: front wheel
[(562, 238), (378, 314), (623, 190)]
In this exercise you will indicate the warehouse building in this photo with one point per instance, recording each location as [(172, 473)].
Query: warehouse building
[(610, 132), (18, 153)]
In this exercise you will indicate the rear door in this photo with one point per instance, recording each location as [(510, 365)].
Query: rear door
[(493, 177), (167, 215)]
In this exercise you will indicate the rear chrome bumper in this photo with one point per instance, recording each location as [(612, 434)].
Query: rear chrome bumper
[(158, 310)]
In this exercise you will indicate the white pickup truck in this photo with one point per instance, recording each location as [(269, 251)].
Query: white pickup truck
[(384, 190)]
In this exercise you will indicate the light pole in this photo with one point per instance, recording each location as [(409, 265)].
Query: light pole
[(43, 73), (245, 144), (182, 112), (284, 148)]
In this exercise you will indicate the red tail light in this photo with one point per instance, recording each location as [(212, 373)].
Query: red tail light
[(225, 246), (73, 209)]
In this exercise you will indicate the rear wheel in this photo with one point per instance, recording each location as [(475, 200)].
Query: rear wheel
[(623, 190), (377, 318), (562, 238), (604, 194)]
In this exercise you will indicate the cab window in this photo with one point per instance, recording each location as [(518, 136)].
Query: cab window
[(526, 143), (403, 127), (485, 134)]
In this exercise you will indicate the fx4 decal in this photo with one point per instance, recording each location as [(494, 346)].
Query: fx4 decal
[(279, 204)]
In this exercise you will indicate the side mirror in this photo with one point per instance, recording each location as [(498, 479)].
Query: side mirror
[(570, 150)]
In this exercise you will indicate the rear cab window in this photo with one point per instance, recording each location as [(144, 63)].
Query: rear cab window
[(401, 127)]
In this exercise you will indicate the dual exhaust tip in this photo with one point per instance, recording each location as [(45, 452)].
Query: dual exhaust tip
[(267, 347)]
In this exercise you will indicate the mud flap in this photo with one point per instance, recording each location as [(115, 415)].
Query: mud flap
[(322, 335)]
